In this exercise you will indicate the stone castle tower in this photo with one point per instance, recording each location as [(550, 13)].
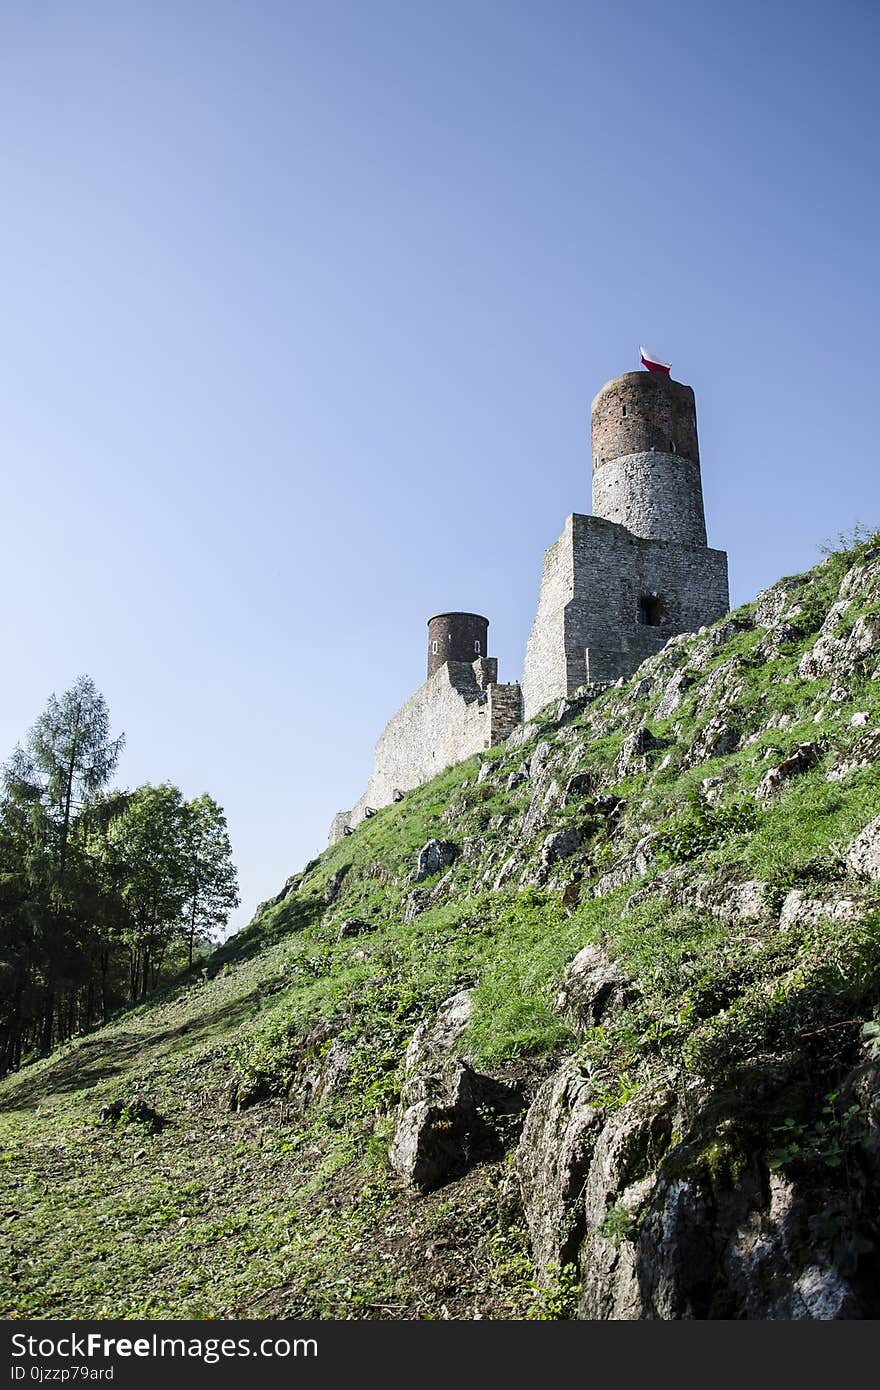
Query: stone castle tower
[(459, 710), (457, 637), (618, 584)]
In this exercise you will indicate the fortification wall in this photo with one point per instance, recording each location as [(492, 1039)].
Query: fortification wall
[(459, 710), (609, 599)]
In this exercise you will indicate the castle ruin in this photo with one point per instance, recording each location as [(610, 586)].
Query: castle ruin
[(615, 587), (459, 710), (618, 584)]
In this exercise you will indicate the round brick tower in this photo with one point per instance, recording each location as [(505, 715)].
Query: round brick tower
[(646, 459), (456, 637)]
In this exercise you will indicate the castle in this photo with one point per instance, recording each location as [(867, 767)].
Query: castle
[(615, 587)]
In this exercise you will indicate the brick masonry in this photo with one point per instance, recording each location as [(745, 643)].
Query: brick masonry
[(456, 637)]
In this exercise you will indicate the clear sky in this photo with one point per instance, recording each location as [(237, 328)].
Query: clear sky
[(302, 309)]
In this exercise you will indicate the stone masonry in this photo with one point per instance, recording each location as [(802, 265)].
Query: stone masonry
[(618, 584), (615, 587), (458, 711)]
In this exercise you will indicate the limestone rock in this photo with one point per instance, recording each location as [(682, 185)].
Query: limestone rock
[(354, 926), (808, 909), (715, 740), (560, 845), (445, 1105), (324, 1078), (516, 778), (864, 752), (673, 693), (863, 855), (725, 896), (841, 653), (334, 883), (552, 1160), (415, 905), (631, 866), (524, 733), (539, 758), (635, 751), (804, 757), (591, 986), (580, 784), (774, 603), (539, 808), (434, 856)]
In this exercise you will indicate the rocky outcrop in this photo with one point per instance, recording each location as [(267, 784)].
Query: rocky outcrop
[(637, 748), (446, 1107), (552, 1160), (664, 1219), (864, 752), (801, 760), (592, 986), (434, 856), (560, 845), (863, 855)]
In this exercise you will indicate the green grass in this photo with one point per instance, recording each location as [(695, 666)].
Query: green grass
[(267, 1210)]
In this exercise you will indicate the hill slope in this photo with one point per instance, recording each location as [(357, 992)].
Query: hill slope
[(638, 947)]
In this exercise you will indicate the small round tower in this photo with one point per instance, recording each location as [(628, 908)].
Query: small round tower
[(456, 637), (646, 459)]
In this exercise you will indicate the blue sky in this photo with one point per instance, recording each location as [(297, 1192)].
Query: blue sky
[(302, 310)]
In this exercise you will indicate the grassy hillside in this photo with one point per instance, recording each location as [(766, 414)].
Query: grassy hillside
[(262, 1187)]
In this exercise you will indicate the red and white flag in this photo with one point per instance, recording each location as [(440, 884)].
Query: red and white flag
[(653, 362)]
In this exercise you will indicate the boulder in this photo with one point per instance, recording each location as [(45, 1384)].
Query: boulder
[(552, 1160), (863, 855), (560, 845), (446, 1107), (801, 760), (592, 985), (636, 749), (434, 856)]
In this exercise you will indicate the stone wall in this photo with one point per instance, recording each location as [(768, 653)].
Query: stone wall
[(658, 496), (609, 599), (460, 710)]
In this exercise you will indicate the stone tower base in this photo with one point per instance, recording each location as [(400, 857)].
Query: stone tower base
[(609, 599)]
